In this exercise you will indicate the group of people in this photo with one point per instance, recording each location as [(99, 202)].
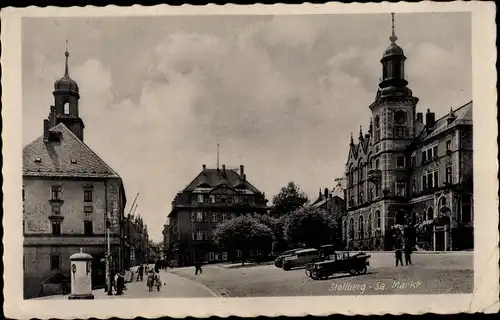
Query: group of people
[(153, 278), (399, 255)]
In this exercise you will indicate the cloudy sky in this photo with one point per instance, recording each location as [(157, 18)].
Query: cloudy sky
[(281, 94)]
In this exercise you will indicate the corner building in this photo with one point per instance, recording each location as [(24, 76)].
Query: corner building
[(69, 196), (408, 174), (214, 196)]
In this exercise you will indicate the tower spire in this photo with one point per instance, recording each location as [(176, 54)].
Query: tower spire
[(393, 37), (66, 53), (352, 141), (360, 132)]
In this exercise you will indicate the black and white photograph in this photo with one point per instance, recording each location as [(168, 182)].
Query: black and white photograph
[(237, 154)]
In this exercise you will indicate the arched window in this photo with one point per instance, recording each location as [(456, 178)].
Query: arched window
[(430, 213), (442, 202), (66, 108), (377, 128), (377, 219), (377, 164), (361, 227)]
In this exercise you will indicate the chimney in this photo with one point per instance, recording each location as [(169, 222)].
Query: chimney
[(430, 119), (326, 193), (244, 177), (420, 117), (204, 166), (223, 168), (242, 170), (45, 130)]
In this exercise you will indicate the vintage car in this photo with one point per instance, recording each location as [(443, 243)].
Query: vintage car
[(338, 263), (301, 258), (278, 262)]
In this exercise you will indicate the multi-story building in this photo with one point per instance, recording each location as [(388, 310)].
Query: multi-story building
[(166, 254), (409, 175), (214, 196), (136, 239), (70, 195)]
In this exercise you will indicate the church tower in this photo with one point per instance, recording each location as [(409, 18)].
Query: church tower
[(65, 108), (393, 114)]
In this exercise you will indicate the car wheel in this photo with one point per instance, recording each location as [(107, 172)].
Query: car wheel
[(352, 272), (363, 271)]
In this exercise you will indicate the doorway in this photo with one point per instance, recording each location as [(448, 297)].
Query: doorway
[(439, 240)]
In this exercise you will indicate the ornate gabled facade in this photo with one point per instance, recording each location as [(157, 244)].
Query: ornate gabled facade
[(409, 181), (70, 196), (214, 196)]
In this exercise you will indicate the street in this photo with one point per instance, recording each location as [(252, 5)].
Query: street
[(429, 274)]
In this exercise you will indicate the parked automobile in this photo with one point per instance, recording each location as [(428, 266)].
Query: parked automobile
[(278, 262), (338, 263), (301, 258)]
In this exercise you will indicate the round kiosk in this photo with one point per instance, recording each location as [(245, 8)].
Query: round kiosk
[(81, 276)]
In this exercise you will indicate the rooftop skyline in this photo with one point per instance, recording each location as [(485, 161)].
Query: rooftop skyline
[(280, 94)]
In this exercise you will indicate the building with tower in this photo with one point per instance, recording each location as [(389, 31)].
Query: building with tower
[(212, 197), (70, 196), (409, 181)]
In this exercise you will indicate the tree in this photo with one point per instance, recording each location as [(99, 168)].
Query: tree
[(244, 233), (310, 226), (276, 224), (290, 198)]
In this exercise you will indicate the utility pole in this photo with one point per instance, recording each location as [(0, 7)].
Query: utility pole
[(108, 255)]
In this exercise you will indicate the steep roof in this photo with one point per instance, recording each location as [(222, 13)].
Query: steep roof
[(463, 115), (212, 178), (66, 157)]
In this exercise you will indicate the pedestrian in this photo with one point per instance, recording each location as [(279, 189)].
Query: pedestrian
[(198, 266), (157, 266), (115, 281), (158, 281), (140, 272), (120, 284), (408, 251), (399, 256), (150, 280)]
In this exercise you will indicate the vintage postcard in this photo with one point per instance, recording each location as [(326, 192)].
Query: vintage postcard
[(250, 160)]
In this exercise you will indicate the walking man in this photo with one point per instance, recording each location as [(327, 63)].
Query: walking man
[(399, 256), (140, 272), (198, 266), (408, 252)]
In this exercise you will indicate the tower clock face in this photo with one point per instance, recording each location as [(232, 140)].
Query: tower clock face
[(400, 117)]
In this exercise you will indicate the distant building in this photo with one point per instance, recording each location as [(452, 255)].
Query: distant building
[(137, 239), (214, 196), (69, 194), (409, 181), (166, 252), (333, 206)]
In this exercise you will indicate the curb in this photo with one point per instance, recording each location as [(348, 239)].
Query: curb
[(247, 265), (199, 285)]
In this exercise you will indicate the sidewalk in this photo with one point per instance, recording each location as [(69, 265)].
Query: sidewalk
[(247, 264), (174, 286)]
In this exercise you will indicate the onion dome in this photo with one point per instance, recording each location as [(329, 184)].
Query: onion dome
[(66, 83)]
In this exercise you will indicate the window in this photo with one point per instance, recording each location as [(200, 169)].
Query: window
[(214, 216), (54, 262), (429, 154), (442, 202), (245, 199), (56, 228), (377, 128), (399, 131), (400, 188), (369, 227), (235, 199), (424, 158), (414, 185), (238, 253), (199, 216), (430, 213), (361, 227), (448, 145), (400, 162), (430, 182), (436, 179), (193, 236), (377, 164), (66, 108), (466, 208), (377, 218), (23, 193), (211, 256), (88, 194), (413, 160), (223, 217), (56, 192), (201, 198), (448, 174), (212, 198), (435, 151), (424, 182), (87, 228), (199, 235), (361, 197)]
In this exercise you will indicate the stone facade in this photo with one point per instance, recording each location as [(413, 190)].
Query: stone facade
[(214, 196), (70, 196), (408, 174)]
